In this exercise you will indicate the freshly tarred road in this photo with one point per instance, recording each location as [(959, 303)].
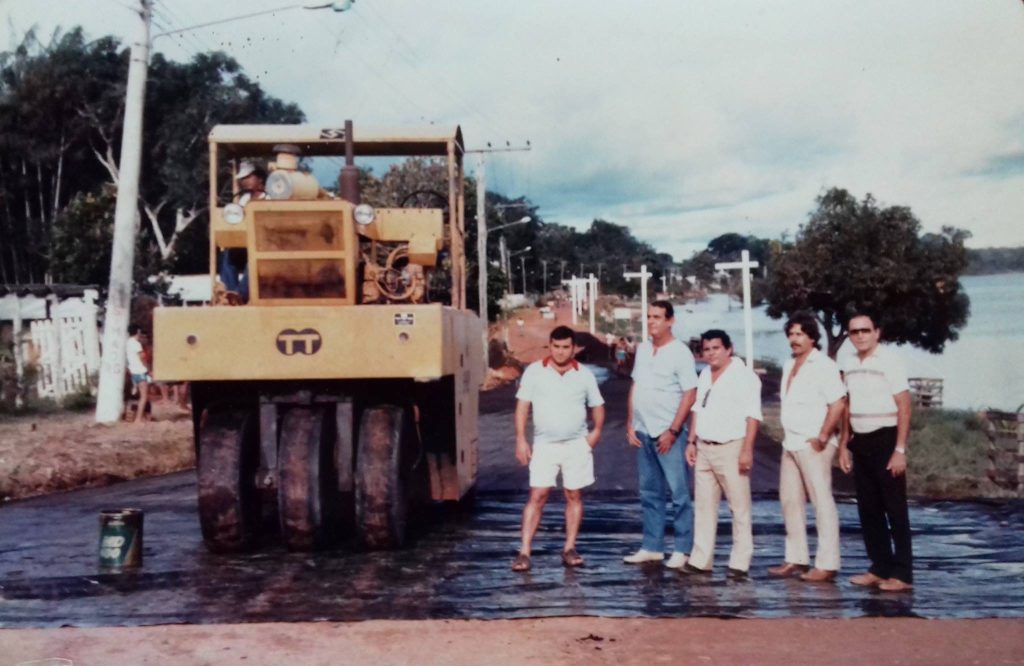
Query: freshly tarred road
[(969, 566)]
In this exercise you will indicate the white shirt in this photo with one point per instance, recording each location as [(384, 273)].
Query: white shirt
[(133, 355), (872, 383), (659, 381), (559, 401), (805, 403), (724, 406)]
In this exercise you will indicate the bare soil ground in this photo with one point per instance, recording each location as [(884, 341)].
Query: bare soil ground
[(45, 453), (574, 640)]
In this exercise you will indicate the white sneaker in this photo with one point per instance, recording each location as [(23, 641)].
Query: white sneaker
[(643, 556), (676, 561)]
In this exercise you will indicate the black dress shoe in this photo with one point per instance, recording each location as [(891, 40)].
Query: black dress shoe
[(737, 574), (690, 570)]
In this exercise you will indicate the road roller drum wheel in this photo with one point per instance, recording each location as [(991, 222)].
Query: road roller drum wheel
[(383, 477), (307, 496), (229, 504)]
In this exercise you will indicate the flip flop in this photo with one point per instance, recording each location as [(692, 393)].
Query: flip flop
[(571, 558), (521, 563)]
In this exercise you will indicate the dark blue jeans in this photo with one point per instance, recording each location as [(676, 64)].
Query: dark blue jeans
[(660, 472)]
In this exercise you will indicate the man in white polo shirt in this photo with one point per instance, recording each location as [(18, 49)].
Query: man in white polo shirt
[(812, 404), (880, 422), (723, 428), (559, 390), (659, 404)]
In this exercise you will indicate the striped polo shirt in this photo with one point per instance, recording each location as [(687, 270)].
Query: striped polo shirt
[(872, 384)]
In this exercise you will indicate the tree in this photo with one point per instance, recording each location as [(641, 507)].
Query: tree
[(61, 110), (854, 255)]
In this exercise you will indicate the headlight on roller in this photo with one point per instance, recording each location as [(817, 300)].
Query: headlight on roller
[(234, 213), (364, 214)]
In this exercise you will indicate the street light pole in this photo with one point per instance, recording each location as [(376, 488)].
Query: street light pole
[(522, 267)]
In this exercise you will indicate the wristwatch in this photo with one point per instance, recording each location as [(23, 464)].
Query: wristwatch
[(900, 449), (675, 433)]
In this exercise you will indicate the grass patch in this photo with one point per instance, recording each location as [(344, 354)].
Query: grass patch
[(947, 455)]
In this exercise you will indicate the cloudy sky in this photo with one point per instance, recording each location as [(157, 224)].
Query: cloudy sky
[(682, 119)]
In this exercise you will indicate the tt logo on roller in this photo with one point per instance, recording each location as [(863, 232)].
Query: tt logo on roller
[(291, 342)]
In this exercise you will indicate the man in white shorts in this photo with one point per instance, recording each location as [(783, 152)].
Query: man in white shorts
[(560, 390)]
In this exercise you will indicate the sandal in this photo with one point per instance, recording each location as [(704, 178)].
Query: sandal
[(571, 558), (521, 563)]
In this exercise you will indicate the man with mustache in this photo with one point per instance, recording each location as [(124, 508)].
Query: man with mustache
[(723, 427), (812, 404)]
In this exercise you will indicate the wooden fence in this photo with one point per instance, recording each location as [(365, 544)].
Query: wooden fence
[(1005, 432), (926, 391), (68, 354)]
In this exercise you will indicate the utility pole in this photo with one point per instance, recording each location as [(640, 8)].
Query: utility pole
[(522, 267), (544, 263), (481, 253), (110, 398), (561, 277)]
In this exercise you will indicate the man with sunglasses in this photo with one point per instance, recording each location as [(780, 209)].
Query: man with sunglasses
[(879, 419), (723, 427)]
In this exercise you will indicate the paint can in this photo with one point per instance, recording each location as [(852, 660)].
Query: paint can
[(120, 539)]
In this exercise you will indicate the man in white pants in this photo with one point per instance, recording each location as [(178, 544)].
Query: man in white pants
[(559, 389), (723, 428), (813, 396)]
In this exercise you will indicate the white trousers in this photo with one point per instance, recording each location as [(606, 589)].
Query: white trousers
[(808, 473), (717, 471)]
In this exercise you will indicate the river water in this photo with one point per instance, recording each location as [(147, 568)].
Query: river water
[(983, 369)]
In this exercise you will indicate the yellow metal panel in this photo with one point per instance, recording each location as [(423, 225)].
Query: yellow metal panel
[(400, 224), (423, 250), (309, 342)]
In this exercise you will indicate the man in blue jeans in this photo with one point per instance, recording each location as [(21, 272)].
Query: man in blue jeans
[(663, 391)]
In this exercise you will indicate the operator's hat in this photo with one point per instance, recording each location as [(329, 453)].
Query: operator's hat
[(246, 168)]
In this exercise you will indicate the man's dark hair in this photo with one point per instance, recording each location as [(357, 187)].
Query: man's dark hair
[(862, 312), (563, 333), (670, 312), (808, 324), (716, 334), (133, 329)]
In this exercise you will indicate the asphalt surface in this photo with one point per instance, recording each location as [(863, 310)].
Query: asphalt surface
[(969, 558)]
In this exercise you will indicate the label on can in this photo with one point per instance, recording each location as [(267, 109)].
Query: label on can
[(120, 539)]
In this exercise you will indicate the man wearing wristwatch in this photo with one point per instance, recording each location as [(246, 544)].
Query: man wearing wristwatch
[(813, 396), (723, 427), (663, 390), (880, 423)]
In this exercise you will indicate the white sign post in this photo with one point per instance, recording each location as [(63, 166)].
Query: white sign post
[(745, 264), (644, 277), (592, 293), (574, 294)]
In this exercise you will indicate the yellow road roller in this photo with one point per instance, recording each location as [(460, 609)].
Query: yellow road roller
[(335, 377)]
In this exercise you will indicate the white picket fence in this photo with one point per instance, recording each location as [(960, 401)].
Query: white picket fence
[(68, 354)]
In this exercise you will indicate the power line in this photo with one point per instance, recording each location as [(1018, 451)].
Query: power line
[(412, 59)]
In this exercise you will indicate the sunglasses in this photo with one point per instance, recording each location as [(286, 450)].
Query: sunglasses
[(861, 331)]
